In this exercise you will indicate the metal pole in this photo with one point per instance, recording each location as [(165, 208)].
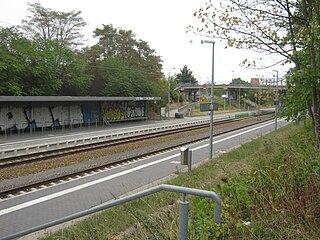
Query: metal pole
[(169, 95), (259, 96), (239, 97), (276, 103), (211, 105), (183, 219)]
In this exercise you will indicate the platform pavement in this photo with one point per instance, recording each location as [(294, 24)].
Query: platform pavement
[(9, 140)]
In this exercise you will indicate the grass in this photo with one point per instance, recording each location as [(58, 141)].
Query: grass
[(271, 184)]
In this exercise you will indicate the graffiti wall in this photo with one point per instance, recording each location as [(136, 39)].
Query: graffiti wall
[(91, 112), (117, 111), (66, 115), (135, 110), (12, 118), (22, 117), (36, 117)]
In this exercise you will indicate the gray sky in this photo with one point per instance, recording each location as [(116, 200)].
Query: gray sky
[(161, 23)]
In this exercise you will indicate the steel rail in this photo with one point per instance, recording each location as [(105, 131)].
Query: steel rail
[(36, 157), (76, 174)]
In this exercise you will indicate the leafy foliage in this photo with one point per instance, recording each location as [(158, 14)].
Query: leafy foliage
[(287, 28), (122, 65), (11, 65), (186, 75), (124, 80), (39, 68), (46, 24), (239, 81), (40, 58)]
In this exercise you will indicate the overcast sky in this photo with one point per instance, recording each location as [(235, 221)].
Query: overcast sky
[(161, 23)]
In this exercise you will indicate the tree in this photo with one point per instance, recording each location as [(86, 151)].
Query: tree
[(239, 81), (116, 42), (11, 65), (39, 68), (136, 55), (46, 24), (56, 70), (186, 75), (287, 28), (263, 26), (121, 79)]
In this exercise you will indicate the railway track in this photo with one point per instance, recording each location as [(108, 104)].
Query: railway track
[(36, 157), (65, 176)]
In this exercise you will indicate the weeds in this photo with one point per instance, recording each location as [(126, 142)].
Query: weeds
[(279, 196)]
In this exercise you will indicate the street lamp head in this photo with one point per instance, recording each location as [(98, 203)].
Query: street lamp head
[(207, 41)]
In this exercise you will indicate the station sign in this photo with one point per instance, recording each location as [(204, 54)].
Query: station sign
[(206, 107)]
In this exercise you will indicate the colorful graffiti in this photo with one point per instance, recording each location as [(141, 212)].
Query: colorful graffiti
[(117, 111), (15, 117)]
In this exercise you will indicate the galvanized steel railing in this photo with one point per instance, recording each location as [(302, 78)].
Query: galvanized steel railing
[(183, 215)]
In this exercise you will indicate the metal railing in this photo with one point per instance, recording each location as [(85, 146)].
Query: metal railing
[(183, 214)]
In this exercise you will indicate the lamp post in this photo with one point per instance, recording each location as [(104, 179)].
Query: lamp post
[(239, 97), (276, 103), (211, 105), (169, 92)]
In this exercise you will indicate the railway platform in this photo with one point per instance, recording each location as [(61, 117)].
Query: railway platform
[(12, 145)]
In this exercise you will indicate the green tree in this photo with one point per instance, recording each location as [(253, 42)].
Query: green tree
[(116, 42), (119, 44), (39, 67), (287, 28), (53, 69), (46, 24), (121, 79), (186, 75), (239, 81), (11, 65)]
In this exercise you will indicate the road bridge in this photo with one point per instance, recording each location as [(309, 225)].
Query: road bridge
[(233, 90)]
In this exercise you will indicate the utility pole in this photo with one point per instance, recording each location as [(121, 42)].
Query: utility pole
[(212, 101), (169, 93), (276, 103)]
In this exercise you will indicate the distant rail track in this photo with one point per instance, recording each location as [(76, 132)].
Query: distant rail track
[(226, 125)]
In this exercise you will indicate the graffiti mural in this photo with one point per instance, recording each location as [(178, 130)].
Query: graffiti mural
[(117, 111), (90, 113), (113, 111), (57, 115), (14, 118), (40, 115), (135, 111)]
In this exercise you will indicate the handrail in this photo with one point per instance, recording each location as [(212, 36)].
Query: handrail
[(162, 187)]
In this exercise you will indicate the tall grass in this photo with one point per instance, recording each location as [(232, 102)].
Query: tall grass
[(278, 199)]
